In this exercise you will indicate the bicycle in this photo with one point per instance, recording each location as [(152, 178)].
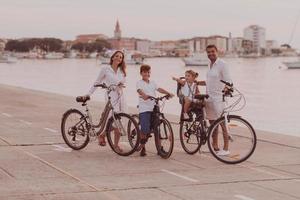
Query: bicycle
[(238, 134), (160, 127), (77, 128)]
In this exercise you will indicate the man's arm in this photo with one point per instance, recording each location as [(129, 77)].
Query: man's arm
[(202, 83)]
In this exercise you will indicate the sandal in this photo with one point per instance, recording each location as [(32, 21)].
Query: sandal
[(101, 141)]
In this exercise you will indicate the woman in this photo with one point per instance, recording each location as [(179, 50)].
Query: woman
[(114, 74)]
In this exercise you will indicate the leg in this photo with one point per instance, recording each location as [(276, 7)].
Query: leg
[(145, 121), (215, 137), (101, 139), (187, 104), (225, 137), (117, 139)]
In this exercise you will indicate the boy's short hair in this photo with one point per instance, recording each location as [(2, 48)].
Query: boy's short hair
[(145, 68), (212, 46)]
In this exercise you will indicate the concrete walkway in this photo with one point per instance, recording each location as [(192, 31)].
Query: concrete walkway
[(36, 164)]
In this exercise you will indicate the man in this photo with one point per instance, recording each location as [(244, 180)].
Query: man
[(214, 106)]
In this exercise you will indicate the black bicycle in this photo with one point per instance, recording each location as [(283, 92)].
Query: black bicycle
[(238, 139), (160, 126)]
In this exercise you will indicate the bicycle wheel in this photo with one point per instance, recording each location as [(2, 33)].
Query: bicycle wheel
[(132, 136), (240, 140), (74, 129), (118, 134), (189, 137), (164, 139)]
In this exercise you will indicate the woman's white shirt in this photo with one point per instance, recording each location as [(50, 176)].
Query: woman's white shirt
[(108, 76)]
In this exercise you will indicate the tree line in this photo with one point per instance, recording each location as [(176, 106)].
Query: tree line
[(54, 44), (45, 44)]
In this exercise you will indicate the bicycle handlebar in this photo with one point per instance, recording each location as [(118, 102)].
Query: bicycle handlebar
[(227, 83), (159, 98), (104, 86)]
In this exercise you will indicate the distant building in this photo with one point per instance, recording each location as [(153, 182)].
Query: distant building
[(248, 46), (219, 41), (163, 48), (229, 43), (2, 44), (237, 45), (143, 46), (120, 43), (198, 44), (117, 31), (256, 34), (182, 48), (87, 38), (271, 46)]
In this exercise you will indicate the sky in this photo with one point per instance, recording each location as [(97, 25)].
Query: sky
[(151, 19)]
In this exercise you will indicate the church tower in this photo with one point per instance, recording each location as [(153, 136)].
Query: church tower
[(117, 32)]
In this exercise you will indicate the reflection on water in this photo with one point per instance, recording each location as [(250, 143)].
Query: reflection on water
[(272, 93)]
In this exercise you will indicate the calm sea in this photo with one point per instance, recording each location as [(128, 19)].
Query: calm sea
[(272, 93)]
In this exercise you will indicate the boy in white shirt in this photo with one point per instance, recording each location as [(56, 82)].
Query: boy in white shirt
[(146, 88)]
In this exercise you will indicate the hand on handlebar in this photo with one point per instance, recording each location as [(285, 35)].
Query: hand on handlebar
[(144, 96), (170, 95), (121, 85)]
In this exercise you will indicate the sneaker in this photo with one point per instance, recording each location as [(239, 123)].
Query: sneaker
[(162, 151), (143, 152), (223, 153)]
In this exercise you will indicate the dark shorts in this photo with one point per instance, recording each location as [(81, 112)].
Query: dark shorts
[(145, 122)]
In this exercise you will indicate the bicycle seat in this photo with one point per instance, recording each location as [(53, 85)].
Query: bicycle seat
[(82, 99), (201, 96)]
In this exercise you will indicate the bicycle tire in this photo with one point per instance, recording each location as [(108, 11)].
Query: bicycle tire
[(109, 133), (232, 118), (66, 115), (157, 134)]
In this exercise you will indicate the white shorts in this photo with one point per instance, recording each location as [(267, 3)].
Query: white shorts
[(214, 109)]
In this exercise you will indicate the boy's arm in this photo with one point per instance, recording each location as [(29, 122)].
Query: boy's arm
[(178, 80), (163, 91), (142, 94)]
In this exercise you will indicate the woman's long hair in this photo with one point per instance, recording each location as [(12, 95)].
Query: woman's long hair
[(122, 65)]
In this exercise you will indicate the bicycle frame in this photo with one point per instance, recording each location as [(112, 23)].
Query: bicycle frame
[(104, 116), (229, 108)]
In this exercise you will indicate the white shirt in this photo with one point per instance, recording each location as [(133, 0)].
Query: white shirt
[(108, 76), (218, 71), (148, 89)]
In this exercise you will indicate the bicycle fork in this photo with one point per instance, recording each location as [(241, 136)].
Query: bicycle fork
[(227, 127)]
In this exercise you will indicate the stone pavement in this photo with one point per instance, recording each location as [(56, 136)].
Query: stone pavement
[(36, 164)]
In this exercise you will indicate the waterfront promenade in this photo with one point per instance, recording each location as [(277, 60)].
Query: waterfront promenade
[(36, 164)]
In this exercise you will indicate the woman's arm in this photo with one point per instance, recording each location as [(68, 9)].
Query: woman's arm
[(99, 80)]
